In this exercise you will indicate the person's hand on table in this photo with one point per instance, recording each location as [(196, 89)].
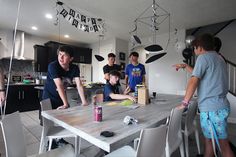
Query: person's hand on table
[(132, 98), (63, 107), (85, 103)]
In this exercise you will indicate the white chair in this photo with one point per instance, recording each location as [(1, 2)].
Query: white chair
[(50, 131), (15, 143), (190, 126), (151, 144), (174, 137)]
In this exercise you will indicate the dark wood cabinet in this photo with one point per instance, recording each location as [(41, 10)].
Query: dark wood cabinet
[(41, 58), (81, 55), (22, 98), (52, 50)]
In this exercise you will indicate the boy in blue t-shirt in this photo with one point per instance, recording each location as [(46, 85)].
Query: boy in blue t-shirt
[(134, 72), (210, 77), (60, 74), (111, 89)]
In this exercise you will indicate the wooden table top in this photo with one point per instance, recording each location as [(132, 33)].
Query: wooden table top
[(79, 120)]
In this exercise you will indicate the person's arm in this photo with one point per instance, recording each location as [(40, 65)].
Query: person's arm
[(144, 80), (183, 66), (191, 87), (122, 97), (80, 89), (61, 92), (106, 76), (2, 87), (126, 81), (106, 73)]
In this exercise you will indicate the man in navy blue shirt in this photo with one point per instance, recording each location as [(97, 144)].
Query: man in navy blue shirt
[(60, 74), (111, 89), (110, 66), (134, 72)]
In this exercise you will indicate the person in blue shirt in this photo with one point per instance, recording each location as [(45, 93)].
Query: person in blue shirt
[(134, 72), (111, 89), (209, 75), (60, 75)]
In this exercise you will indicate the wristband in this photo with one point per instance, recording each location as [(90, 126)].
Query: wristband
[(185, 103)]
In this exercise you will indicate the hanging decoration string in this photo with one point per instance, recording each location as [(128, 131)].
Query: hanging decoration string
[(80, 21), (12, 54)]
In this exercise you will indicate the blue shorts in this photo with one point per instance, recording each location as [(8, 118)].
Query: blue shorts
[(218, 119)]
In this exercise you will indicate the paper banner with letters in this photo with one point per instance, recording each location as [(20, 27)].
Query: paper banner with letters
[(81, 21)]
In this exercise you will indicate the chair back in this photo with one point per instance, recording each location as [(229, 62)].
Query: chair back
[(152, 142), (46, 105), (13, 135), (99, 95), (191, 113), (174, 136)]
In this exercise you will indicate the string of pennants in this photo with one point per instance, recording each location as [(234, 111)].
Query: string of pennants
[(80, 21)]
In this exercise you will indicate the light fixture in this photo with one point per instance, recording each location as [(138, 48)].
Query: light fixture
[(153, 22), (66, 36), (34, 28), (48, 16), (98, 57)]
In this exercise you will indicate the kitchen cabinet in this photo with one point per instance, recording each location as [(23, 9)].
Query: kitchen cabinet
[(81, 55), (22, 98), (52, 50), (41, 58)]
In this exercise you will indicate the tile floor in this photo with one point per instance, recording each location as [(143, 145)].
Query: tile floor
[(32, 131)]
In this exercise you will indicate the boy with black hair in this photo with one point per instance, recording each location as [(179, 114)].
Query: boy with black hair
[(110, 66), (60, 74), (134, 72), (111, 89)]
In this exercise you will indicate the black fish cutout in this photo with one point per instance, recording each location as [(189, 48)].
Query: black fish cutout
[(153, 48), (99, 58), (155, 57)]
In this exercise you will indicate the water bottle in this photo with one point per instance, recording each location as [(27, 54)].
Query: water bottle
[(136, 91)]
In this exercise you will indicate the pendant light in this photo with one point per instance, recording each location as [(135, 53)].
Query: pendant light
[(98, 57)]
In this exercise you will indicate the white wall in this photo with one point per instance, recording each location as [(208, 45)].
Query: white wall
[(106, 47), (227, 36), (30, 41), (7, 41), (161, 76)]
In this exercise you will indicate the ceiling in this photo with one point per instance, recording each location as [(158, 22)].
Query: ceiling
[(118, 15)]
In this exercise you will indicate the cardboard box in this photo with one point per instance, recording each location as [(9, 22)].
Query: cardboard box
[(143, 96)]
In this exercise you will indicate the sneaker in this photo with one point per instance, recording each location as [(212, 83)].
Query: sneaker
[(61, 142)]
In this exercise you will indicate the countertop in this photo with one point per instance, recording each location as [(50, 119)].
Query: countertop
[(23, 84)]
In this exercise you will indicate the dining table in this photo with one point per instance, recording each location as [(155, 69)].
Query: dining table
[(80, 120)]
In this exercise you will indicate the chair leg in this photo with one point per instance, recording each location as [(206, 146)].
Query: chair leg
[(181, 147), (167, 151), (197, 141), (186, 145), (42, 143), (50, 144), (77, 145)]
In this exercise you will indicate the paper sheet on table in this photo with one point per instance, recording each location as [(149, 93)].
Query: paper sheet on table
[(126, 103)]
